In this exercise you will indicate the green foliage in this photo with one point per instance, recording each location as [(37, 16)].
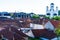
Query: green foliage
[(47, 17), (11, 14), (59, 12), (57, 31), (35, 16), (56, 18), (33, 38)]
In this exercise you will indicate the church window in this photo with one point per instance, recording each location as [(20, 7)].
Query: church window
[(55, 14), (48, 13), (0, 14)]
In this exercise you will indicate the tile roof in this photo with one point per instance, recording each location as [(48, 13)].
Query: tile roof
[(9, 34), (43, 33), (25, 25), (13, 29), (55, 23), (39, 21), (4, 23)]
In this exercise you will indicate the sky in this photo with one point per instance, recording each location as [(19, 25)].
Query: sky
[(28, 6)]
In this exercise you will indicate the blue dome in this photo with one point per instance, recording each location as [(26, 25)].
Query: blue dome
[(52, 3)]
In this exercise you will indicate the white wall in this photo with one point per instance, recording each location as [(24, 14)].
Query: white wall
[(36, 26), (30, 34), (48, 25)]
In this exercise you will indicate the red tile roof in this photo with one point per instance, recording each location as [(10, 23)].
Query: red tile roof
[(39, 21), (4, 23), (18, 35), (43, 33), (55, 23), (7, 34)]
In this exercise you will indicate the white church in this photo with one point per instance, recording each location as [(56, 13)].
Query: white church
[(51, 12)]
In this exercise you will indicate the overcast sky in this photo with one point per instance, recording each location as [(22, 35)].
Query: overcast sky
[(35, 6)]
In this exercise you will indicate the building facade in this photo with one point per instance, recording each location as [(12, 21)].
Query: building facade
[(51, 12), (5, 14)]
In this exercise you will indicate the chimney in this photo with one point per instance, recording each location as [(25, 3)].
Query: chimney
[(13, 37), (43, 21), (9, 29), (1, 35)]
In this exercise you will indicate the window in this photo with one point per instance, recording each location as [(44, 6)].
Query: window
[(48, 13), (6, 14), (0, 14), (19, 15), (55, 14), (51, 9), (52, 6)]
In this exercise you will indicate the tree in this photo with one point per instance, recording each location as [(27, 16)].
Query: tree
[(33, 38), (47, 17), (13, 15), (56, 18), (57, 31), (35, 16), (59, 12)]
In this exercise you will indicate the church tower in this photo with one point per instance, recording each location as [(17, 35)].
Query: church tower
[(52, 7), (51, 12), (47, 8)]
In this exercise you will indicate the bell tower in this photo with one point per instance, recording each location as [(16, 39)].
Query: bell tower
[(52, 6)]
